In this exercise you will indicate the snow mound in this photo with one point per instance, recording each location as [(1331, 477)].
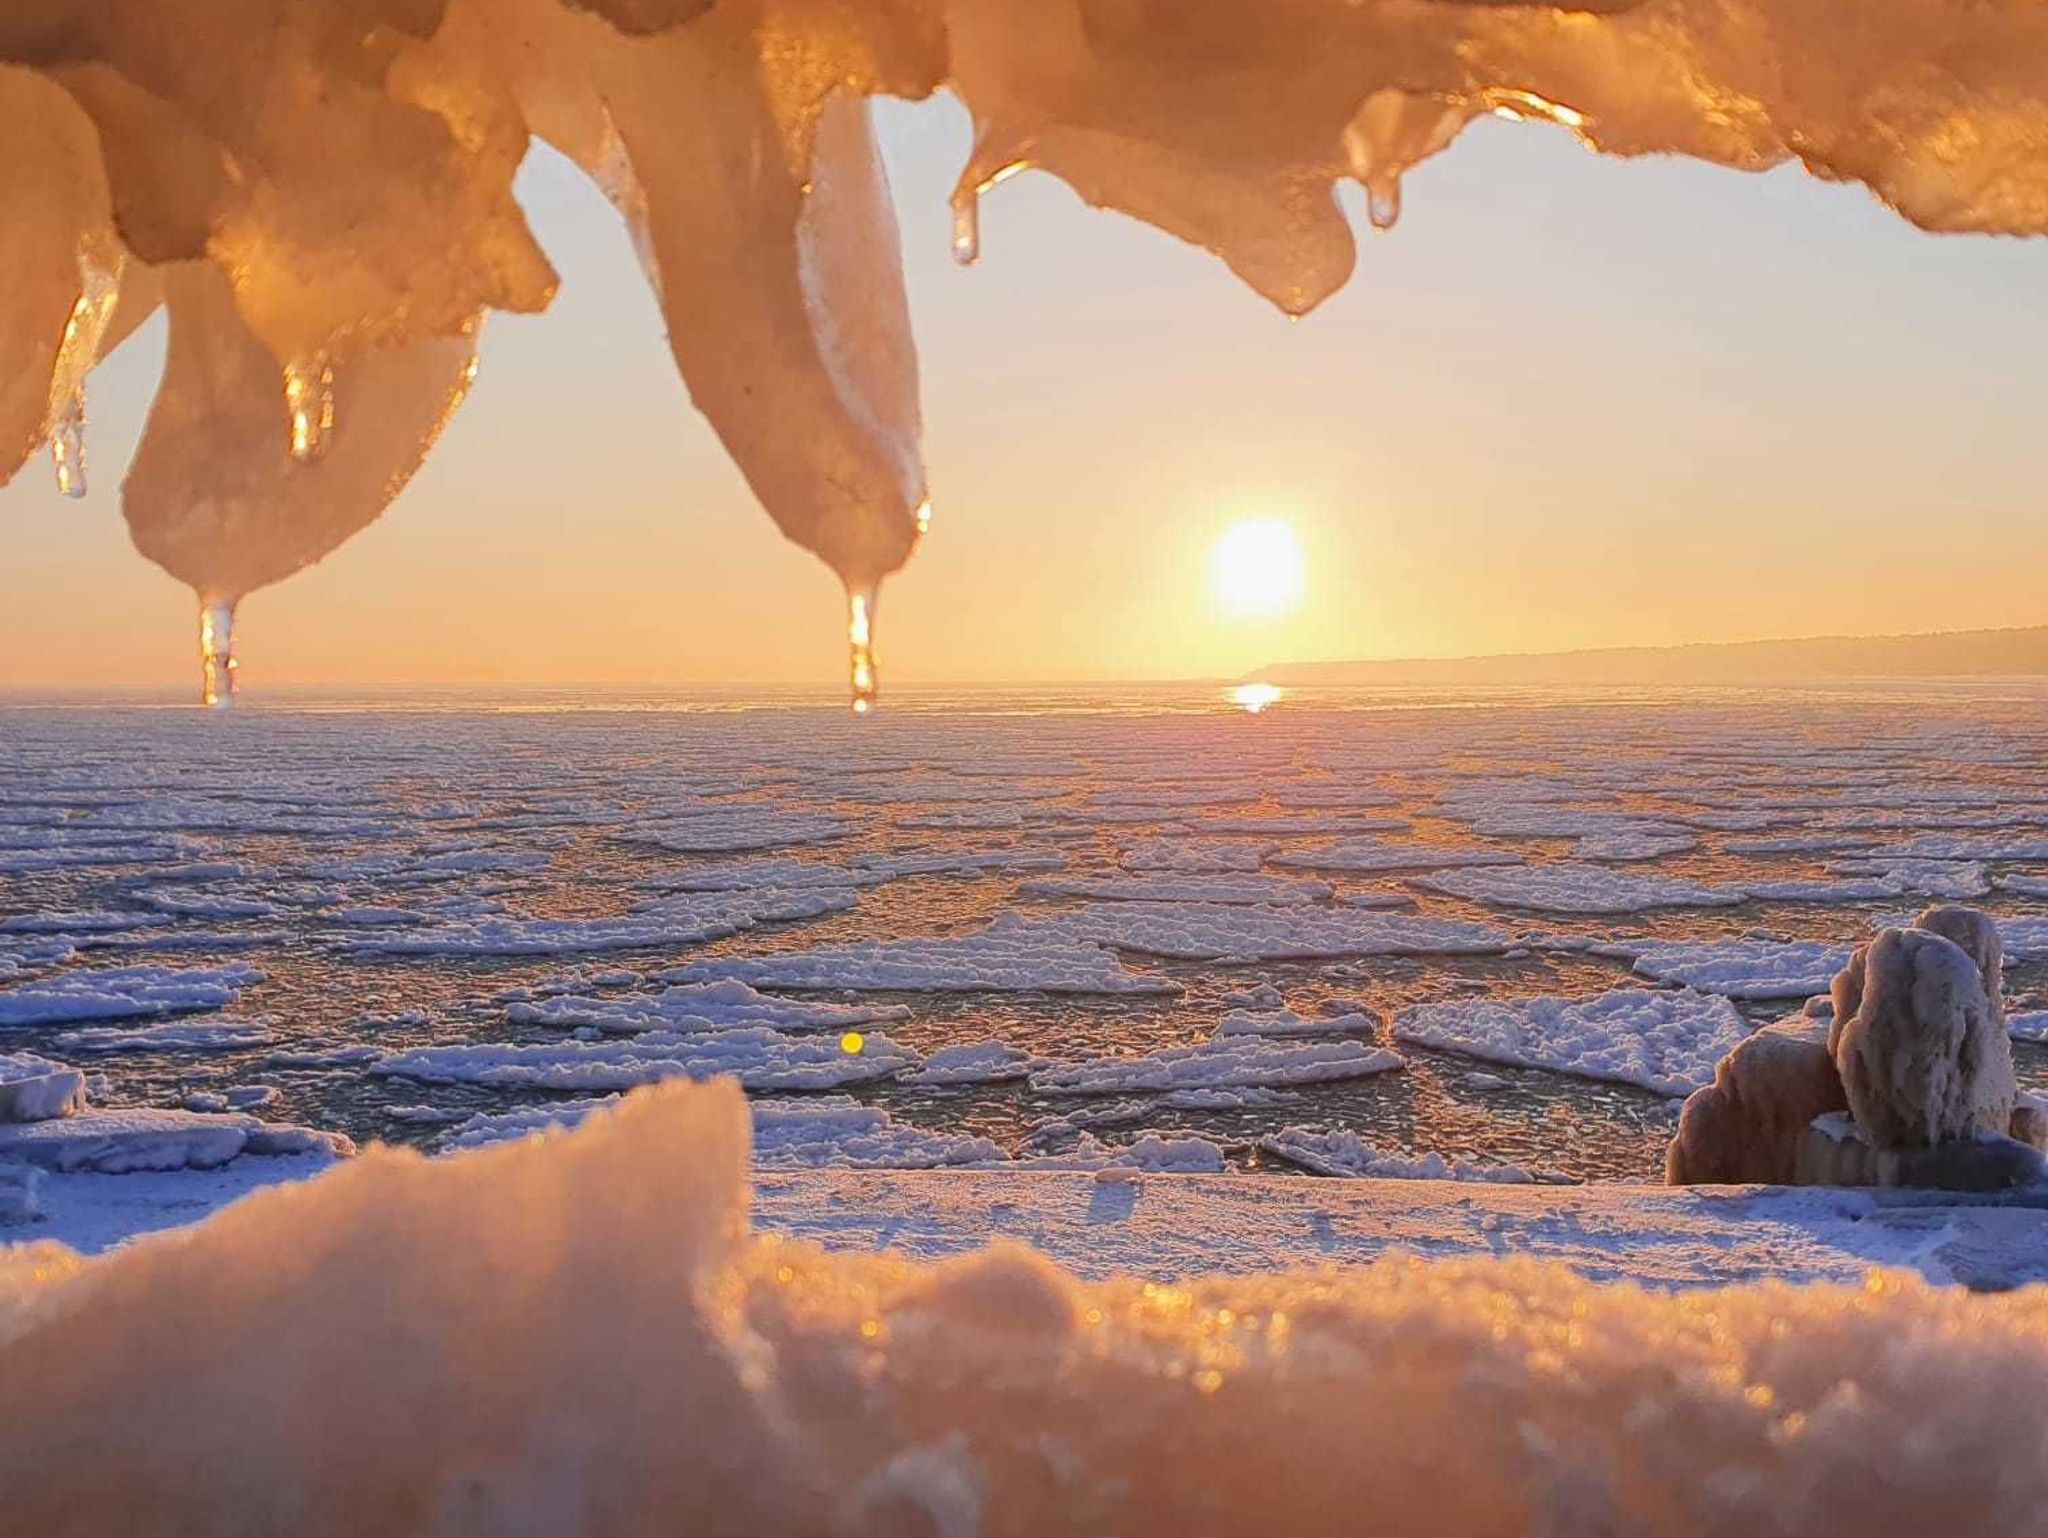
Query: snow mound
[(1666, 1041), (871, 1394), (1574, 888), (1220, 1063)]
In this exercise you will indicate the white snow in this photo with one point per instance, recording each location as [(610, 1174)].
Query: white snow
[(1663, 1040), (696, 1008), (973, 1062), (118, 1142)]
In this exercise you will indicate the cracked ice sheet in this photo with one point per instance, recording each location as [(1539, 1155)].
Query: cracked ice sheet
[(760, 1058), (1249, 1062), (1573, 888), (692, 919), (1665, 1041), (1008, 956), (123, 993), (1381, 854)]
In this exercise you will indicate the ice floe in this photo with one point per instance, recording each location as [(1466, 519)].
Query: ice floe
[(1195, 857), (760, 1058), (1221, 932), (1285, 1022), (973, 1062), (1275, 891), (33, 1088), (123, 993), (690, 919), (1663, 1040), (1380, 854), (1220, 1063), (1577, 888), (174, 1036), (697, 1008), (733, 830), (1739, 969)]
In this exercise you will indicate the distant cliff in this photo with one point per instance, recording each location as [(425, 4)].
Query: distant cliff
[(1957, 654)]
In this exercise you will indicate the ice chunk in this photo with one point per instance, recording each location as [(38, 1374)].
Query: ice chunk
[(177, 1036), (695, 1008), (34, 1088), (1195, 856), (974, 1062), (1219, 932), (1285, 1022), (1666, 1041), (1248, 889)]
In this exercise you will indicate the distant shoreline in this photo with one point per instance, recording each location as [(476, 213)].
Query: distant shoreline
[(2015, 653)]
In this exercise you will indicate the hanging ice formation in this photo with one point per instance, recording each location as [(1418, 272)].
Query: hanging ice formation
[(325, 190)]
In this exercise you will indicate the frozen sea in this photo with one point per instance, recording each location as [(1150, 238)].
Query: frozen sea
[(1354, 932)]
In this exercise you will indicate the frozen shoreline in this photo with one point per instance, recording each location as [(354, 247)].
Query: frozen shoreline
[(1169, 1226)]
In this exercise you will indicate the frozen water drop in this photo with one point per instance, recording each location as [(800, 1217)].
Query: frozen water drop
[(217, 664), (309, 399), (860, 640), (67, 445), (967, 227), (1383, 201)]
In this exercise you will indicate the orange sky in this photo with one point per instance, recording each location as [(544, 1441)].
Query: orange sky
[(1567, 403)]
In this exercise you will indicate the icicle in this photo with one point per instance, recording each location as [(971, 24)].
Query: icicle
[(1383, 201), (860, 637), (309, 398), (217, 655), (99, 286), (967, 226), (67, 445)]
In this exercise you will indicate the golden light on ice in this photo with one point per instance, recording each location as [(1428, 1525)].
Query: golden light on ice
[(1256, 569), (1253, 698)]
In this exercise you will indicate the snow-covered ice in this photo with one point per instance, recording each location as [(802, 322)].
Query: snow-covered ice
[(1234, 1062), (124, 993), (1663, 1040), (1577, 888), (1340, 1152)]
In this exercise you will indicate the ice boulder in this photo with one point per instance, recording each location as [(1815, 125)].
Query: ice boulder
[(33, 1088), (1919, 1044), (1748, 1124), (1834, 1151)]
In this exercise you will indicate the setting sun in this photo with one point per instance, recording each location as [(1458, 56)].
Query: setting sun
[(1255, 571)]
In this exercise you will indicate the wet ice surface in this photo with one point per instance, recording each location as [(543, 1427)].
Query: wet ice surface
[(400, 919)]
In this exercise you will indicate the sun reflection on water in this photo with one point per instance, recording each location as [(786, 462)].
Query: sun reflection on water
[(1253, 698)]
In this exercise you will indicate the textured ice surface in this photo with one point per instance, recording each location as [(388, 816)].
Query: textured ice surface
[(1196, 856), (172, 1036), (874, 1395), (120, 1142), (123, 994), (1663, 1041), (735, 829), (1573, 888), (974, 1062), (697, 1008), (1285, 1022), (1221, 1063), (1341, 1153)]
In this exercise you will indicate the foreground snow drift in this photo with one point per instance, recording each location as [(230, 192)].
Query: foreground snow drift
[(540, 1339)]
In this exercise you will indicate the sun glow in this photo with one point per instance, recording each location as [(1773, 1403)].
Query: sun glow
[(1254, 698), (1256, 569)]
